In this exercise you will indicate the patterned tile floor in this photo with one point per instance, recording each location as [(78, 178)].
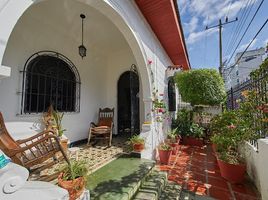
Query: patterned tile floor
[(96, 155), (196, 169)]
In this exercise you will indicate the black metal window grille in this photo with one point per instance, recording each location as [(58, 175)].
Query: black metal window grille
[(171, 95), (50, 78)]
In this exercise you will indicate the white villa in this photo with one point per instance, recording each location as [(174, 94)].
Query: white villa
[(132, 46)]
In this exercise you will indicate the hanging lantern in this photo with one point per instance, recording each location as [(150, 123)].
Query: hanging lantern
[(82, 49)]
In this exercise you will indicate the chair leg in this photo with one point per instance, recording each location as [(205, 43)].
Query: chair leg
[(89, 136), (110, 139)]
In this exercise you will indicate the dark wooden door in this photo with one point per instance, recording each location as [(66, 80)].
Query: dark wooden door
[(128, 103)]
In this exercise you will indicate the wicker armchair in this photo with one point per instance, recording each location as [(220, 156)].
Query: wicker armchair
[(36, 153)]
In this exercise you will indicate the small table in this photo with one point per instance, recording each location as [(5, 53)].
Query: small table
[(74, 151)]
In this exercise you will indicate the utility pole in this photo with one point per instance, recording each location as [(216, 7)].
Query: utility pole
[(220, 25)]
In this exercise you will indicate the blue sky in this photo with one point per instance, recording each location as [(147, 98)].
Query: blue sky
[(203, 46)]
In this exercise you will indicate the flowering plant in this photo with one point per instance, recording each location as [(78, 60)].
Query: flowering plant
[(229, 131)]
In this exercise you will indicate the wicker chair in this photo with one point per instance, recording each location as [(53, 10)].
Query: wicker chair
[(103, 130), (36, 153)]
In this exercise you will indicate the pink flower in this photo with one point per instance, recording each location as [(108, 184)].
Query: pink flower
[(231, 126), (160, 110), (150, 62)]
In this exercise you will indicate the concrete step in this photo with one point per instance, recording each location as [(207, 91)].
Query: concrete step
[(172, 191), (188, 195), (157, 187)]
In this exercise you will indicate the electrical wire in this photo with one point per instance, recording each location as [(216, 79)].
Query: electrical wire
[(248, 45), (232, 40), (253, 17)]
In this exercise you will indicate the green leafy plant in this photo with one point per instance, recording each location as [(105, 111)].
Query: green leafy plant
[(136, 139), (173, 134), (75, 170), (183, 121), (57, 118), (201, 87), (165, 147), (196, 131), (230, 132)]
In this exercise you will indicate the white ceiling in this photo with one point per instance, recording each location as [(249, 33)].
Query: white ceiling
[(63, 17)]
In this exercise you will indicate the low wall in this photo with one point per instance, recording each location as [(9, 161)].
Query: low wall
[(257, 165)]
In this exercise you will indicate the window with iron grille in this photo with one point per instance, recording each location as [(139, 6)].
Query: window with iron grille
[(49, 78)]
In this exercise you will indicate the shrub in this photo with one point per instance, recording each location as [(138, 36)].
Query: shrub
[(201, 87)]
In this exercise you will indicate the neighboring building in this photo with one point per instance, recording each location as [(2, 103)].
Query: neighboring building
[(39, 42), (239, 73)]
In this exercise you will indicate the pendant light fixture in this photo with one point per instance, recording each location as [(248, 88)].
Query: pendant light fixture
[(82, 49)]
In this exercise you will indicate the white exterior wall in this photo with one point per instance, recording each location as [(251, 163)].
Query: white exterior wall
[(99, 71), (257, 164)]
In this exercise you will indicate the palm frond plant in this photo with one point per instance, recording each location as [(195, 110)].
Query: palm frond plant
[(73, 178)]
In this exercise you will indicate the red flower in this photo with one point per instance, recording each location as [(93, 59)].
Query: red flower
[(231, 126), (160, 110), (150, 62)]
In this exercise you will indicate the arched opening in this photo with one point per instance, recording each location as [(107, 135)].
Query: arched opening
[(128, 103), (50, 78)]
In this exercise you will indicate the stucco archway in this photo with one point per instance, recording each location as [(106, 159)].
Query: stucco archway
[(109, 8), (104, 8)]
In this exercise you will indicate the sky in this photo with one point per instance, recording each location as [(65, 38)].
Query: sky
[(203, 45)]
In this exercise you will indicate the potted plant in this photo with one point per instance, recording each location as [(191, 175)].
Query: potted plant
[(73, 178), (137, 143), (231, 133), (173, 140), (53, 121), (195, 136), (164, 151)]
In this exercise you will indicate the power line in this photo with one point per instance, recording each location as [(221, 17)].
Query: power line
[(234, 36), (248, 11), (253, 17), (248, 45)]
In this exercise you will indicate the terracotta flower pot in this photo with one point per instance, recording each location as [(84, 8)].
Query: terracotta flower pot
[(138, 147), (232, 173), (174, 147), (64, 144), (74, 187), (193, 141), (214, 147), (164, 156)]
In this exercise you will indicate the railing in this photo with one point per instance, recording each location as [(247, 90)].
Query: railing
[(258, 83)]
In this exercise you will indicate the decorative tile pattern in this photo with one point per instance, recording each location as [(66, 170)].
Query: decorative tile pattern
[(197, 171), (95, 156)]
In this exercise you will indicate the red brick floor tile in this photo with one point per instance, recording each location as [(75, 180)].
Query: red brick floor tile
[(218, 182), (220, 194), (196, 187), (244, 189), (200, 177), (214, 173), (239, 196), (198, 170)]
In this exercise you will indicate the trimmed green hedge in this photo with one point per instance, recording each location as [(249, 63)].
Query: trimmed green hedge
[(201, 87)]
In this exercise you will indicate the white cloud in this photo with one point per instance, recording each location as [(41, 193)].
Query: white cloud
[(213, 10), (265, 42), (196, 36), (192, 25), (244, 46)]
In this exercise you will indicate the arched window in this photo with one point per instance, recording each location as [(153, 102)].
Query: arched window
[(50, 78), (171, 95)]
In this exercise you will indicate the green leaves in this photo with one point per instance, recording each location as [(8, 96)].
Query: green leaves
[(201, 87)]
